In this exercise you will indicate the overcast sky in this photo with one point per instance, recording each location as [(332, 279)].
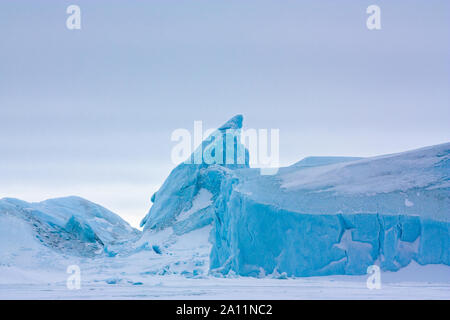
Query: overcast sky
[(90, 112)]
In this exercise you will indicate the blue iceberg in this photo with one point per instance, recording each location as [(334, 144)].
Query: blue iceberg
[(320, 216)]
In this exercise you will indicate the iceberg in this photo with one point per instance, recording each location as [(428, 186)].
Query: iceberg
[(320, 216)]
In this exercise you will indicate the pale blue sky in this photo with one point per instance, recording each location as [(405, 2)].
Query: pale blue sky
[(90, 112)]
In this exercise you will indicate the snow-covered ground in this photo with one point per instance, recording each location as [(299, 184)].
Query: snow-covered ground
[(180, 270), (413, 282)]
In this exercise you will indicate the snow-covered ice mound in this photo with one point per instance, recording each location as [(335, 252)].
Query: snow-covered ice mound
[(71, 226)]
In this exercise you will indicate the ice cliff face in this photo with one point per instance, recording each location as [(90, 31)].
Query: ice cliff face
[(320, 216), (70, 225)]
